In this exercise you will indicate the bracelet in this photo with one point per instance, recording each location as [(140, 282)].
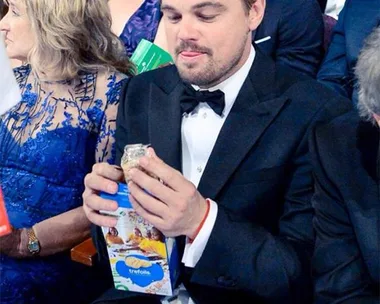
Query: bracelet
[(33, 246), (202, 222)]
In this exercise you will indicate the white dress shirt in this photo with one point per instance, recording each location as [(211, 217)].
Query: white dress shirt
[(333, 8), (199, 132)]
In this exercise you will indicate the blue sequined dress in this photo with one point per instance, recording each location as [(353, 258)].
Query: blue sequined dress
[(48, 143)]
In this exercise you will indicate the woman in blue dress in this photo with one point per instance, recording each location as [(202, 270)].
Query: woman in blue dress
[(49, 141)]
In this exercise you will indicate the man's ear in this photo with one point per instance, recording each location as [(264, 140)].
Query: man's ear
[(256, 14)]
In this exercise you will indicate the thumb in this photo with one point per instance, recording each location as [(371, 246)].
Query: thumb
[(152, 154)]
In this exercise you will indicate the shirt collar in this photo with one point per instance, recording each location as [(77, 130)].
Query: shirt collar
[(232, 85)]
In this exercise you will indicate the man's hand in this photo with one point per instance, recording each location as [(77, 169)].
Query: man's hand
[(174, 205), (103, 177)]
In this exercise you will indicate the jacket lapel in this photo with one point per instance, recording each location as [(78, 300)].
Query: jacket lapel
[(165, 122), (253, 111)]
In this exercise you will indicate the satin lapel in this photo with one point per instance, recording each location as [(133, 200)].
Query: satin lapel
[(165, 124), (244, 125)]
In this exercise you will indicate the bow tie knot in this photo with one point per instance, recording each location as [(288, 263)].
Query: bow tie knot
[(191, 98)]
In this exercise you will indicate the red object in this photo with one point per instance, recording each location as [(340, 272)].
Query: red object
[(203, 221), (5, 227)]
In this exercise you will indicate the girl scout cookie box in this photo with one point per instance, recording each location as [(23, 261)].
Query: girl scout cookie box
[(141, 258)]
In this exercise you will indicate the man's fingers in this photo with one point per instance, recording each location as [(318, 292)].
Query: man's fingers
[(93, 203), (147, 201), (108, 171), (101, 220), (97, 203), (152, 154), (167, 174), (104, 177), (95, 183), (140, 210), (154, 187)]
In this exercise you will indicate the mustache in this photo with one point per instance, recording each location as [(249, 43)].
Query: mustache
[(191, 47)]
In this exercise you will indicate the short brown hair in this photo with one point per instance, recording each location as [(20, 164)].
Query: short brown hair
[(248, 4)]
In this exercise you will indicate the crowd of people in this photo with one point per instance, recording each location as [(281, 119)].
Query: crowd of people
[(265, 140)]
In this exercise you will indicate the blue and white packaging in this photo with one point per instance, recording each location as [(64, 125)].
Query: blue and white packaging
[(142, 259)]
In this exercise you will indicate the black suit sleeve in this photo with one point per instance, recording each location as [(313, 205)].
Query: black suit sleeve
[(240, 255), (300, 36), (341, 276), (249, 258), (334, 71)]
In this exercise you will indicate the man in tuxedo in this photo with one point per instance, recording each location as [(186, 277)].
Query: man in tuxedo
[(346, 158), (356, 21), (292, 33), (229, 130)]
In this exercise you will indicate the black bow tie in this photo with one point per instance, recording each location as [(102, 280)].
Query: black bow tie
[(191, 98)]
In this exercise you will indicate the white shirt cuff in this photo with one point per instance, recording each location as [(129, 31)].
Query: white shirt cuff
[(193, 251)]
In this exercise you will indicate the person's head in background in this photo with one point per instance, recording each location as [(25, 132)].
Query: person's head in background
[(210, 40), (368, 75), (157, 235), (137, 232), (60, 38), (113, 231)]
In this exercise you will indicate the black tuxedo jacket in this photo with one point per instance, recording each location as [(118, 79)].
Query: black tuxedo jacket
[(345, 155), (259, 173), (357, 20), (296, 31)]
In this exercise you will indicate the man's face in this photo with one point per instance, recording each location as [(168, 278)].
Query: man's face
[(210, 39), (16, 28)]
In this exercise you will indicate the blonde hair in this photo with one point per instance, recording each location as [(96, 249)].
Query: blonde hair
[(74, 36)]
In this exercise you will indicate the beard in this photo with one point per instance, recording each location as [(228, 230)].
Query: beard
[(212, 72)]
